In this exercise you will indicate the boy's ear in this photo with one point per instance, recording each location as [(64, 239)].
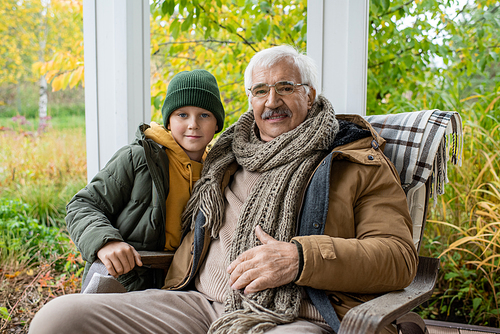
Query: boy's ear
[(168, 126)]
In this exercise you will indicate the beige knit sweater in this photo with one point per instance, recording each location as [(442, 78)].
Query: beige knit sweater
[(212, 280)]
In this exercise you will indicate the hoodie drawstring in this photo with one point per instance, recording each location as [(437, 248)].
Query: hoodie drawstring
[(190, 179)]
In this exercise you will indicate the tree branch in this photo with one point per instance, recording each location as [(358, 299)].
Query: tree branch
[(230, 83), (388, 13), (233, 112), (291, 39), (394, 58), (201, 41), (409, 48), (396, 9), (179, 57), (224, 27)]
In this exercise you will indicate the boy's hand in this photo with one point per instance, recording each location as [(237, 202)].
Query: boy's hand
[(119, 257)]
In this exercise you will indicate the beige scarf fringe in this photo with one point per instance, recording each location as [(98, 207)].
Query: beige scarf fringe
[(285, 164)]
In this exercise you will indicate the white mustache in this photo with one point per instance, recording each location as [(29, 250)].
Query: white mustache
[(271, 112)]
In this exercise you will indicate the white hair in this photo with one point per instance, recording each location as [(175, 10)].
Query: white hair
[(270, 57)]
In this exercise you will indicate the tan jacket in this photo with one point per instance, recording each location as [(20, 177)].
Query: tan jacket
[(367, 246)]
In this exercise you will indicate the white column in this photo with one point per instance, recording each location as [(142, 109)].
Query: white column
[(337, 40), (117, 75)]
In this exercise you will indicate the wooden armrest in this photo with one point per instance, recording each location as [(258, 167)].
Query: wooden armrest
[(372, 316), (157, 260)]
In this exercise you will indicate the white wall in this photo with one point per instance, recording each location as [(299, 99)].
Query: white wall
[(117, 75), (337, 39)]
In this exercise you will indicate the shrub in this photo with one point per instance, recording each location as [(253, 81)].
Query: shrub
[(43, 170), (38, 263), (25, 242), (464, 228)]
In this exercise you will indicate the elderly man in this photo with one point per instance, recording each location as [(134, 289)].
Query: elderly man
[(298, 217)]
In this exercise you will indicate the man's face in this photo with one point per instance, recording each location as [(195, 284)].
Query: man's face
[(282, 113)]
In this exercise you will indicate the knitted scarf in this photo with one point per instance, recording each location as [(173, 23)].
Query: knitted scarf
[(285, 164)]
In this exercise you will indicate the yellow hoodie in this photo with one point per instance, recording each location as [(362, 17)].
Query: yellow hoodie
[(183, 173)]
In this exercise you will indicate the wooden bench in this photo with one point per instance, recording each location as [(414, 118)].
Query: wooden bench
[(156, 260)]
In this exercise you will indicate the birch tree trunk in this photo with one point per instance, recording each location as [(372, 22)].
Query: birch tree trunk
[(42, 104), (43, 98)]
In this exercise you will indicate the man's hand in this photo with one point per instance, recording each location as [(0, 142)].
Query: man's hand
[(273, 264), (119, 257)]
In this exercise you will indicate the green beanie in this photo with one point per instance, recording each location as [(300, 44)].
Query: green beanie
[(197, 88)]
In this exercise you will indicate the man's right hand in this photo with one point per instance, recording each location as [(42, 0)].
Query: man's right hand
[(119, 257)]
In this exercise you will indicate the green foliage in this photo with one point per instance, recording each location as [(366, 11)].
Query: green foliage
[(24, 240), (464, 228), (32, 31), (77, 109), (18, 100), (422, 56), (46, 201), (22, 100), (405, 74), (221, 37), (463, 293), (70, 121), (4, 313), (419, 50), (44, 170), (38, 263)]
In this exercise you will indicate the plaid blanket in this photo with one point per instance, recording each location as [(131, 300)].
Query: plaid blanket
[(418, 144)]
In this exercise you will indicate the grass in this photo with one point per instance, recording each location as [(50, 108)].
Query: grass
[(22, 100), (39, 172), (464, 228), (38, 263), (43, 169), (30, 125)]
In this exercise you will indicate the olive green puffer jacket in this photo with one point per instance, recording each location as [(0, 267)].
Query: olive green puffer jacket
[(120, 203)]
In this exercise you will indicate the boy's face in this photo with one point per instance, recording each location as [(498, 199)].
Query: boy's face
[(192, 128)]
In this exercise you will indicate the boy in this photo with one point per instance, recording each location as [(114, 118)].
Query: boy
[(136, 201)]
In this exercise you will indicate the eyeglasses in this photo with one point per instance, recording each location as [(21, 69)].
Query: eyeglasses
[(281, 87)]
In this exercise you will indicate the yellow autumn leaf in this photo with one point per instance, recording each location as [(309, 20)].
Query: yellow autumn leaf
[(36, 68), (73, 79), (14, 275), (56, 84), (201, 57), (76, 77), (65, 80), (50, 75), (71, 62), (154, 45), (58, 59), (49, 66)]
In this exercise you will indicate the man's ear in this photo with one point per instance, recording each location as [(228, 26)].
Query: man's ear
[(311, 97)]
